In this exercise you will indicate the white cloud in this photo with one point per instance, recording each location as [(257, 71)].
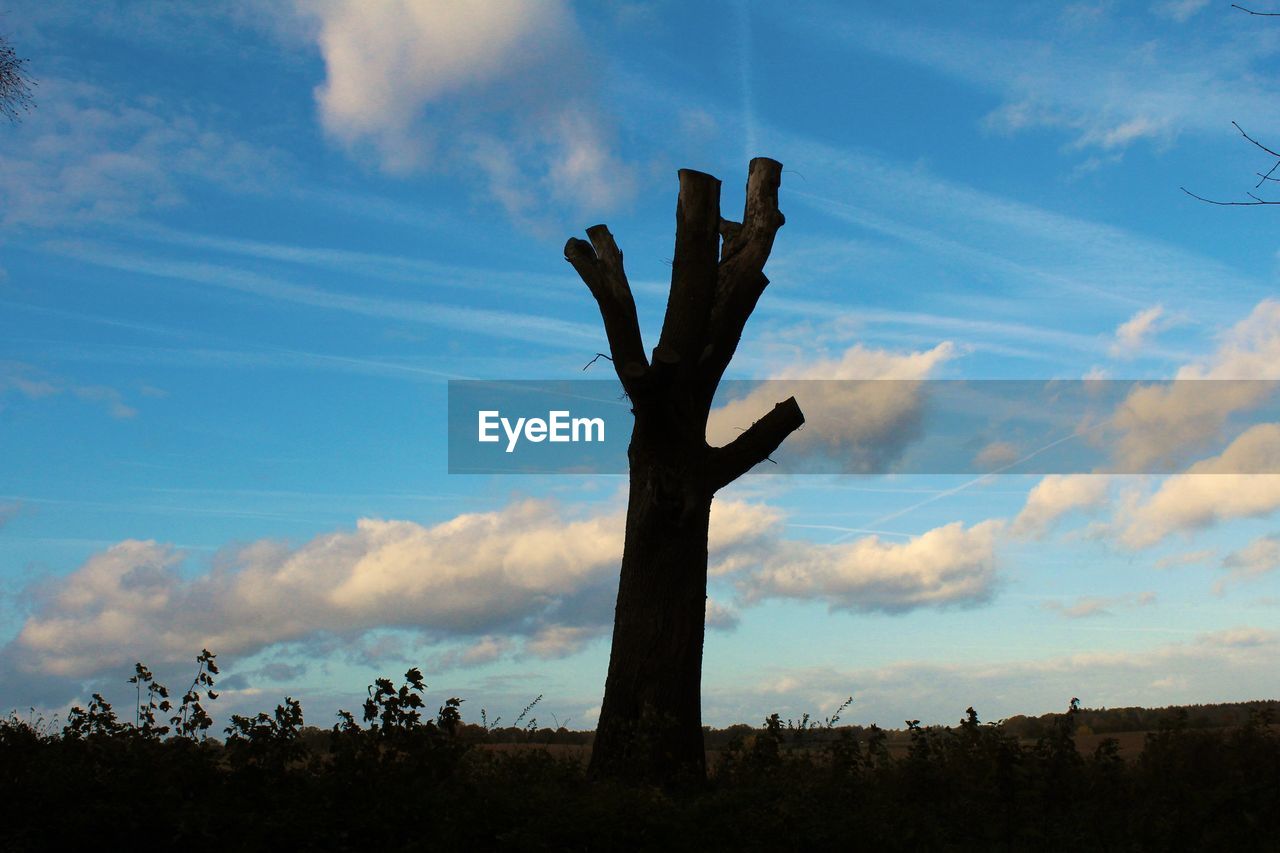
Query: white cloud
[(1055, 496), (862, 425), (558, 641), (1181, 10), (1210, 492), (34, 384), (947, 565), (86, 154), (1259, 557), (1248, 350), (1105, 86), (997, 454), (527, 569), (532, 578), (1188, 558), (1219, 666), (1096, 605), (1132, 334), (489, 86), (1109, 137), (1159, 424), (484, 650), (1240, 638), (721, 617)]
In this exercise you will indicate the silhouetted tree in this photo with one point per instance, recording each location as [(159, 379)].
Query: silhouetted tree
[(650, 724), (15, 87)]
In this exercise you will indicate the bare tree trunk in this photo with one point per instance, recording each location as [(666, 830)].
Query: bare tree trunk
[(650, 723)]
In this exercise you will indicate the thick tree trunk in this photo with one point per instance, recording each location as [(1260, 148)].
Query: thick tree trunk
[(650, 725), (651, 720)]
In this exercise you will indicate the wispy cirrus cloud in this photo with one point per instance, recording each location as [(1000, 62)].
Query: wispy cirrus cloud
[(1105, 82), (32, 383), (88, 155), (1133, 333), (1099, 605), (519, 326)]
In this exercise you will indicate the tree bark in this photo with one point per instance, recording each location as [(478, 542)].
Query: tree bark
[(650, 725)]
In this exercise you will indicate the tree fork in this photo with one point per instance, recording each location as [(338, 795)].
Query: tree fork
[(650, 725)]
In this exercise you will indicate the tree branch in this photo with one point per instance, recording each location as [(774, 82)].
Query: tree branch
[(1259, 14), (1256, 201), (739, 456), (740, 279), (599, 265), (693, 267), (1251, 139)]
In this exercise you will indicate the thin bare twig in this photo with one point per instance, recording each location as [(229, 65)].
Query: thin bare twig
[(1259, 14), (1254, 141), (1256, 201), (599, 356)]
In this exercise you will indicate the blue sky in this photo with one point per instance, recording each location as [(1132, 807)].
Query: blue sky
[(243, 247)]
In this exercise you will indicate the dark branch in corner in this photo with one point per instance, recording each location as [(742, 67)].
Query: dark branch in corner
[(1251, 139), (1263, 178), (1259, 14), (1256, 201)]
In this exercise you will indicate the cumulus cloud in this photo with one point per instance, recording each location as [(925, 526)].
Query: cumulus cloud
[(948, 565), (1259, 557), (853, 417), (997, 454), (496, 87), (484, 650), (525, 570), (1210, 492), (1161, 424), (721, 617), (1055, 496), (1132, 334), (533, 578)]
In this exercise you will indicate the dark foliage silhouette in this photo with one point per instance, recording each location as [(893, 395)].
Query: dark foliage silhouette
[(15, 84), (399, 779)]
